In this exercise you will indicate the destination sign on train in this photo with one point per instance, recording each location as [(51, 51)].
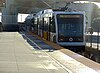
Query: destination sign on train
[(69, 16)]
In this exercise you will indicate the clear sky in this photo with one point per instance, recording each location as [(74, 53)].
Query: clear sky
[(98, 4), (21, 17), (0, 17)]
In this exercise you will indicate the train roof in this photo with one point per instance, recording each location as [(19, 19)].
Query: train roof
[(65, 12), (50, 11), (30, 16)]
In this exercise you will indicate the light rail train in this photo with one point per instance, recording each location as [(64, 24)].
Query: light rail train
[(64, 28)]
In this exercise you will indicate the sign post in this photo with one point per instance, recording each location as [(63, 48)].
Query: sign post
[(90, 29)]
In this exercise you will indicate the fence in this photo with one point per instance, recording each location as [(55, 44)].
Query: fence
[(93, 38)]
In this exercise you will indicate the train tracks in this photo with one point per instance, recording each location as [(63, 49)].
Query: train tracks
[(45, 48), (68, 64)]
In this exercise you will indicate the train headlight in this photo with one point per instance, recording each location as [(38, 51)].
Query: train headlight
[(61, 39), (70, 39), (80, 39)]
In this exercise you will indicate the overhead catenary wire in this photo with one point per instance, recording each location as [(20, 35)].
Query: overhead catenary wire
[(46, 3)]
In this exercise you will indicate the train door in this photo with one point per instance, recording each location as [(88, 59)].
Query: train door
[(37, 30), (45, 28), (52, 29), (48, 28), (42, 27), (49, 22)]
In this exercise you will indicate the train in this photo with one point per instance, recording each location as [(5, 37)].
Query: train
[(67, 29)]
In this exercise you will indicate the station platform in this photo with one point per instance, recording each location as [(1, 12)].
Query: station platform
[(18, 56)]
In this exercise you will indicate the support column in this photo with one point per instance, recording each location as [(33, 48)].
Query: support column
[(9, 17)]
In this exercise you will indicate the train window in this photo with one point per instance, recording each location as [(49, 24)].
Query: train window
[(53, 25), (72, 24), (41, 24), (45, 24)]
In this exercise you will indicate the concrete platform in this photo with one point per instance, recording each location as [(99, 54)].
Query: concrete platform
[(17, 56)]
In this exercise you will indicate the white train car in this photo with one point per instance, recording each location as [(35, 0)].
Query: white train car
[(64, 28)]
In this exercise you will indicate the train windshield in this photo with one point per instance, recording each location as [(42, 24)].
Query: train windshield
[(70, 25)]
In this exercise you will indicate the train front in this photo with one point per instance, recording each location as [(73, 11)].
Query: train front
[(70, 29)]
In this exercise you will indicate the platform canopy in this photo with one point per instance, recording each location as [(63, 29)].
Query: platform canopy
[(36, 5), (25, 6)]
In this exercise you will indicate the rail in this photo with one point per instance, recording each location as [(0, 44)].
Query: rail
[(93, 39), (59, 63), (69, 64)]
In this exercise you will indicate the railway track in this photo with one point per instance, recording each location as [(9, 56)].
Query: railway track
[(48, 50), (40, 45)]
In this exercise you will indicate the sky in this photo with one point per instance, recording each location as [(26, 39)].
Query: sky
[(98, 4), (0, 17), (21, 17)]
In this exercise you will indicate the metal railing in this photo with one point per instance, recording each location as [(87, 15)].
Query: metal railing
[(93, 38)]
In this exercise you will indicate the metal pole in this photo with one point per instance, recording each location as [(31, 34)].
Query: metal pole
[(98, 39), (91, 40), (90, 29)]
